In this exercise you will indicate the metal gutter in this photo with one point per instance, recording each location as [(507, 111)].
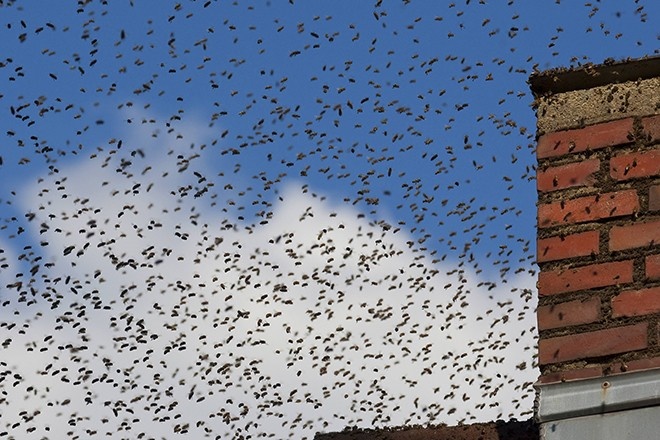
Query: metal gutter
[(638, 424), (565, 400)]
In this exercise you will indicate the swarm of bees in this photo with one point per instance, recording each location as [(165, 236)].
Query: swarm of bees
[(272, 219)]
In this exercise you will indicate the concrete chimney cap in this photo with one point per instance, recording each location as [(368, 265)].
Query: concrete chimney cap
[(587, 76)]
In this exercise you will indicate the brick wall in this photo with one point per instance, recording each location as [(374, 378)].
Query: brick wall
[(599, 248)]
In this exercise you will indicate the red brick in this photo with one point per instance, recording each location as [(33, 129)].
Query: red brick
[(567, 176), (636, 365), (565, 376), (651, 126), (593, 344), (635, 165), (634, 235), (568, 313), (575, 245), (636, 302), (588, 138), (653, 267), (620, 367), (585, 277), (585, 209), (654, 198)]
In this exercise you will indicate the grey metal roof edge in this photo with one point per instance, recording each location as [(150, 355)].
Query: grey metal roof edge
[(600, 395), (561, 80), (639, 423)]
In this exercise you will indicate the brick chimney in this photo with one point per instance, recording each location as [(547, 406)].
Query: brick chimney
[(599, 251)]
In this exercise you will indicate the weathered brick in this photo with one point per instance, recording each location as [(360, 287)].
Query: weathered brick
[(585, 277), (568, 375), (585, 209), (651, 126), (576, 245), (636, 302), (635, 165), (634, 235), (567, 176), (654, 198), (614, 368), (588, 138), (593, 344), (568, 313), (653, 267), (636, 365)]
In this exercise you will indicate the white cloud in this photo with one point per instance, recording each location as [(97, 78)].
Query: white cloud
[(317, 316)]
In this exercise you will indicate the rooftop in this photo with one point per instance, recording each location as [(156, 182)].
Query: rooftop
[(500, 430)]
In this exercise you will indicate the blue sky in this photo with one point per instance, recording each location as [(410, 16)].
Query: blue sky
[(404, 124)]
